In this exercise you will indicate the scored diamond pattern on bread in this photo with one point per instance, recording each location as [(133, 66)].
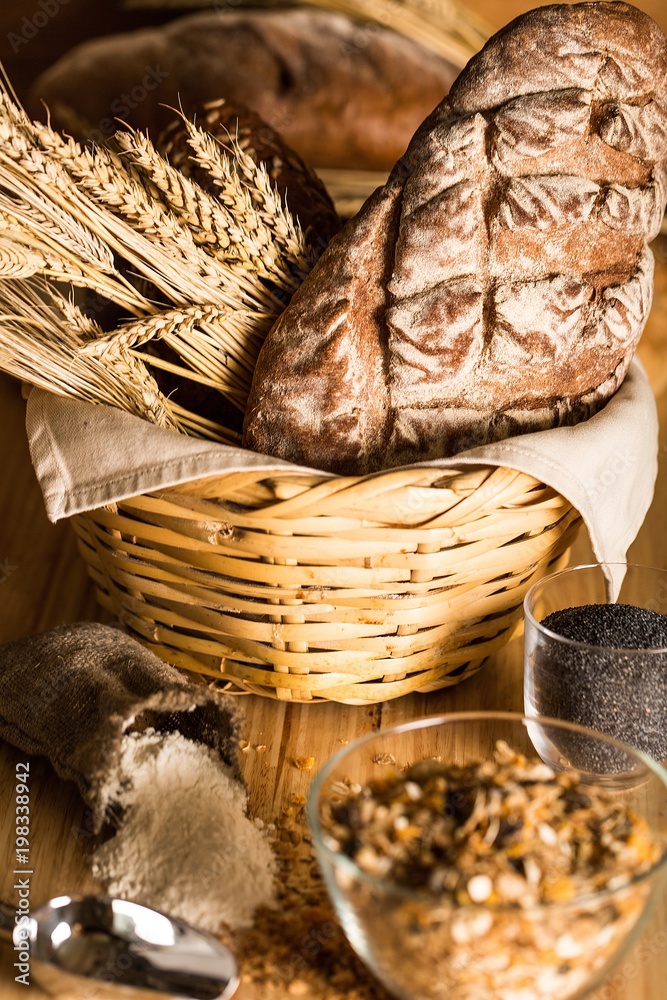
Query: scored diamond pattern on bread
[(500, 280)]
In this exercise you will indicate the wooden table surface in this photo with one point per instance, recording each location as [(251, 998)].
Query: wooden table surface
[(43, 583)]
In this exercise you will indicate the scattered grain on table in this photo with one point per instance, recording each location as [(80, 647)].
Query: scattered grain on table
[(298, 948), (303, 763)]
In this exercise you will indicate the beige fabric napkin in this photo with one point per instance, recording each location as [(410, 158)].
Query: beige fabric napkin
[(86, 456)]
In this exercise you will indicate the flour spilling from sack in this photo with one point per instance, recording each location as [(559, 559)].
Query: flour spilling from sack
[(185, 844)]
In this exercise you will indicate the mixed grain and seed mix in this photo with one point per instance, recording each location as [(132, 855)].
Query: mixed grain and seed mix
[(502, 830), (518, 874)]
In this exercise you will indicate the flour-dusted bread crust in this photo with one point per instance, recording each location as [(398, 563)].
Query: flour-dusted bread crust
[(500, 281), (340, 94)]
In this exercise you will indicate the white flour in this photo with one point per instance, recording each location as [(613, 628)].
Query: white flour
[(185, 845)]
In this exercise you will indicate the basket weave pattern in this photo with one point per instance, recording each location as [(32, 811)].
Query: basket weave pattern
[(309, 588)]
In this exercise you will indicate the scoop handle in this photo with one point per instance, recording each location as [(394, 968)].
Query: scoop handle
[(7, 920)]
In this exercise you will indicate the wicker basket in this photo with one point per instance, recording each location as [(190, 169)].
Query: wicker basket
[(308, 588)]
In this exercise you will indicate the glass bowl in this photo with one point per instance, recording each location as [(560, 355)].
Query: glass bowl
[(423, 943), (619, 691)]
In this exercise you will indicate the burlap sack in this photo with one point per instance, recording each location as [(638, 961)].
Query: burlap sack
[(71, 693)]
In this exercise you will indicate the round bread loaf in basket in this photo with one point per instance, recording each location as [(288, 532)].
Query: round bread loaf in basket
[(311, 588)]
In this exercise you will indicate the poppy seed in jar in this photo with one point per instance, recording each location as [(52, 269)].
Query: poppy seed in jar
[(613, 680)]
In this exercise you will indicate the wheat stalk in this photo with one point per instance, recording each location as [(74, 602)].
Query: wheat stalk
[(53, 359), (246, 190), (17, 261), (215, 273), (198, 426), (151, 236), (49, 222), (72, 356), (210, 222), (208, 338), (168, 226)]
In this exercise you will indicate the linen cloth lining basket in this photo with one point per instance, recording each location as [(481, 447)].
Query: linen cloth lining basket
[(308, 588)]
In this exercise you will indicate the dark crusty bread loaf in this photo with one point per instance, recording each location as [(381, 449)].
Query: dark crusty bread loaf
[(299, 186), (499, 282), (340, 95)]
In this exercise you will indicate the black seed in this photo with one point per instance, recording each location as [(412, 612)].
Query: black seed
[(506, 830), (600, 686), (574, 800), (459, 803), (613, 626)]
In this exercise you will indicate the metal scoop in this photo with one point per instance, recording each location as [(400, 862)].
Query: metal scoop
[(98, 947)]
